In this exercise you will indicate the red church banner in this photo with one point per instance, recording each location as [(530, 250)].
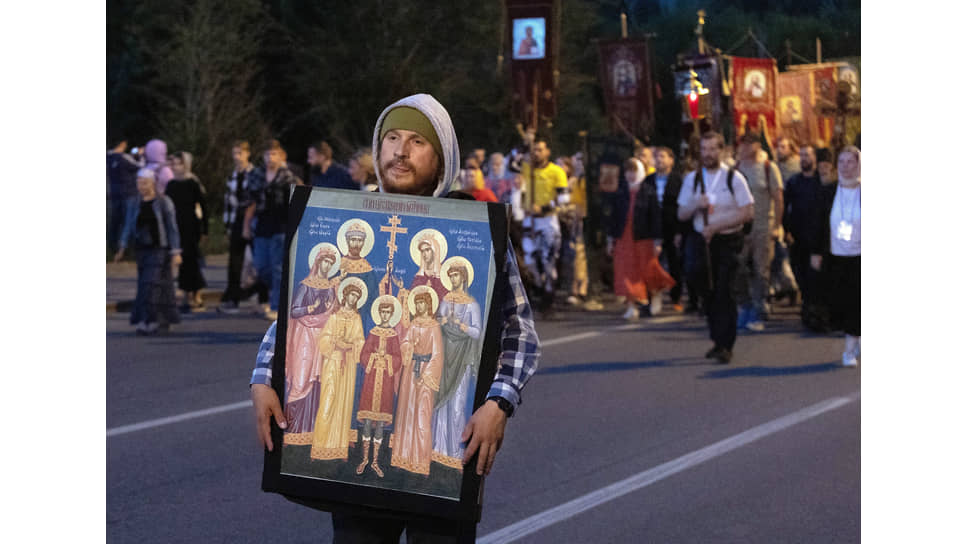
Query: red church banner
[(754, 93)]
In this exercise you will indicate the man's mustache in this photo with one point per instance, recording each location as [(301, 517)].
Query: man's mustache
[(398, 162)]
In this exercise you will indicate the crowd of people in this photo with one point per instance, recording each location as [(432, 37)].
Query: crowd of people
[(654, 243)]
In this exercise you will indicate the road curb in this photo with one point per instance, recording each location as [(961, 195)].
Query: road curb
[(211, 298)]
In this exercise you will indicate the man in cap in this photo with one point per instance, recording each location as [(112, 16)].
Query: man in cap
[(766, 185), (415, 146)]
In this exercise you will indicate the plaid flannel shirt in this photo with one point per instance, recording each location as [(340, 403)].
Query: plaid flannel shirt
[(520, 347)]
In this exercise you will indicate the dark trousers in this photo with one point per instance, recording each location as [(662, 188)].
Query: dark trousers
[(673, 260), (362, 529), (844, 281), (805, 275), (718, 299), (234, 292)]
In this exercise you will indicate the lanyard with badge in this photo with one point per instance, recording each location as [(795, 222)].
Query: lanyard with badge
[(845, 228)]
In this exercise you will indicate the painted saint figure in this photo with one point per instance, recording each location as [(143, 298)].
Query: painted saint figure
[(460, 324), (311, 305), (355, 240), (381, 362), (423, 358), (428, 249), (340, 344)]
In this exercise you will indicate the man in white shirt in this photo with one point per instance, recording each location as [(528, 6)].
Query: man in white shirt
[(719, 202)]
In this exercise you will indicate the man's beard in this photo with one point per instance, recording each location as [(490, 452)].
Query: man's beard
[(710, 162)]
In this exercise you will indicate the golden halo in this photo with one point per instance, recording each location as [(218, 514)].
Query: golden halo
[(341, 237), (397, 309), (433, 298), (357, 282), (445, 268), (333, 270), (415, 241)]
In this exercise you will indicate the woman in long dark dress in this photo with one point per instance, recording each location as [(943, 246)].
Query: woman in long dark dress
[(188, 195)]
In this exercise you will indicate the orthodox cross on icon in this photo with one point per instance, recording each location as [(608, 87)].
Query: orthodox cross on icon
[(393, 229)]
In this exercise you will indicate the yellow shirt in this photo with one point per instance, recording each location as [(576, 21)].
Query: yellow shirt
[(547, 181)]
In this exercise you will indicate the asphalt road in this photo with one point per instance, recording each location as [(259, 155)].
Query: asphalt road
[(766, 449)]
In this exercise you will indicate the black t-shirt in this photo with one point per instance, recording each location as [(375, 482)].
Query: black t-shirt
[(146, 227)]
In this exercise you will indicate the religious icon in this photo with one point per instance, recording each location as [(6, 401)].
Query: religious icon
[(355, 240), (625, 78), (608, 177), (315, 297), (754, 83), (848, 74), (528, 37), (791, 110), (340, 343), (460, 322), (368, 367), (423, 358), (428, 249), (381, 361)]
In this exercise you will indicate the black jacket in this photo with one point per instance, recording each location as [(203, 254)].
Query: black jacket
[(820, 235), (670, 206), (646, 212), (802, 197)]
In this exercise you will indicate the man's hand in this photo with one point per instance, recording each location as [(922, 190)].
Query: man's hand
[(176, 260), (265, 404), (788, 238), (708, 232), (657, 244), (485, 431), (246, 233), (119, 255), (778, 233), (702, 201)]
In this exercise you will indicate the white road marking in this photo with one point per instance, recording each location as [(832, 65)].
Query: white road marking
[(124, 429), (244, 404), (648, 477)]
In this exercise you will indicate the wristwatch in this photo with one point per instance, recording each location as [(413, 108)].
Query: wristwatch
[(503, 404)]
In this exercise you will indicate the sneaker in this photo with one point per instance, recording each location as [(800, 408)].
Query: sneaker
[(655, 304), (231, 308), (712, 352), (271, 315), (261, 309), (632, 314), (573, 300), (594, 306), (849, 359), (743, 318), (678, 308), (755, 325)]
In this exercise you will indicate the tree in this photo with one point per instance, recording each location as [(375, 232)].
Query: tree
[(205, 83)]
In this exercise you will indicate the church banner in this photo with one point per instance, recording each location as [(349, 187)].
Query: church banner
[(795, 114), (387, 341), (754, 94), (626, 78), (823, 95)]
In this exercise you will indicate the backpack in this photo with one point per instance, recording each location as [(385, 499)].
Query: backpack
[(747, 226)]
